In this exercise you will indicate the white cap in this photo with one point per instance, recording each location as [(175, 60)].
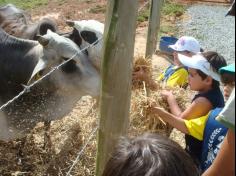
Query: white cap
[(187, 44), (199, 62)]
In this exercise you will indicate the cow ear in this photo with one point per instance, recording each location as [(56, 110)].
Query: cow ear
[(43, 41), (70, 23), (39, 67)]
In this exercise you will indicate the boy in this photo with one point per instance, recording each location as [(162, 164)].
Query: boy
[(176, 74), (206, 128), (224, 163), (205, 80), (150, 155)]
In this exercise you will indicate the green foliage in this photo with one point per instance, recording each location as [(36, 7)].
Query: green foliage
[(25, 4), (144, 16), (173, 9)]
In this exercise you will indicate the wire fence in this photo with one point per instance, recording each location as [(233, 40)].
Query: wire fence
[(27, 89)]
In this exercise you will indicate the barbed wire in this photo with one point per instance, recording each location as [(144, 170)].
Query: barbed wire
[(82, 151), (27, 88)]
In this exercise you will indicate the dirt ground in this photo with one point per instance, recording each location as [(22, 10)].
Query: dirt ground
[(31, 154)]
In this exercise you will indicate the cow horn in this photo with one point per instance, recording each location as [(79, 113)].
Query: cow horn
[(70, 23), (43, 41)]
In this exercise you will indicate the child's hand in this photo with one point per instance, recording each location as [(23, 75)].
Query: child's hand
[(167, 95)]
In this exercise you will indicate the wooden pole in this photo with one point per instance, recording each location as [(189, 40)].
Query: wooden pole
[(154, 27), (119, 39)]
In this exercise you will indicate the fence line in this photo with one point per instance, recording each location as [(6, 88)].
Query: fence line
[(27, 88)]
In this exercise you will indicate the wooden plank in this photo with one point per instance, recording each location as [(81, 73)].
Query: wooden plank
[(154, 27), (117, 67)]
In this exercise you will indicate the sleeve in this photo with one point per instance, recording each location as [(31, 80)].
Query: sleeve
[(179, 78), (227, 116), (196, 127)]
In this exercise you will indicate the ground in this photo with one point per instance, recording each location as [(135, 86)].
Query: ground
[(28, 155)]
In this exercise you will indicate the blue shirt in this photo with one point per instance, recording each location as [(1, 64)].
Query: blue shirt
[(193, 145)]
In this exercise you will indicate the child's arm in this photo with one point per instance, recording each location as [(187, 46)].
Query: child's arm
[(200, 107), (172, 120)]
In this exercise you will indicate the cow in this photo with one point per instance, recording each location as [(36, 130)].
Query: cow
[(18, 23), (21, 60), (85, 33)]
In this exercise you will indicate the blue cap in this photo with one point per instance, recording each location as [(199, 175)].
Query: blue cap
[(229, 68)]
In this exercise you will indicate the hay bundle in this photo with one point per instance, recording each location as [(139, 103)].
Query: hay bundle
[(143, 119), (143, 65), (145, 95)]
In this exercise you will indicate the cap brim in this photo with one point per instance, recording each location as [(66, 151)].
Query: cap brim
[(231, 11), (200, 63), (175, 48), (229, 68)]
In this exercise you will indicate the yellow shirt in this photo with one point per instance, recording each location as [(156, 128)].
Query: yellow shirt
[(197, 126), (178, 78)]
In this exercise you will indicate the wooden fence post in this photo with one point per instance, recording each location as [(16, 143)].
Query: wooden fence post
[(154, 27), (117, 65)]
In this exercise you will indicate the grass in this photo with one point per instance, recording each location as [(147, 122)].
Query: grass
[(144, 16), (173, 9), (25, 4)]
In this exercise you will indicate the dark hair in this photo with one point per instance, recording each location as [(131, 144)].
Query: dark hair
[(150, 155), (217, 61)]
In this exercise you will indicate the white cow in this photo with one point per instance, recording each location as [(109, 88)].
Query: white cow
[(91, 32)]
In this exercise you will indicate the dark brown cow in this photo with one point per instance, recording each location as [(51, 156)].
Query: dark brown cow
[(18, 23)]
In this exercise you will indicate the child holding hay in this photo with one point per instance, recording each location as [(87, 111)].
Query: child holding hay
[(205, 80), (150, 155), (176, 74), (206, 129)]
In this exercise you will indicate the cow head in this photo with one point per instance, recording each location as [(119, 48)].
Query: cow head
[(90, 32), (79, 72)]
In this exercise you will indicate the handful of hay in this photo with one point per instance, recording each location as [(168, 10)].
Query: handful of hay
[(142, 117), (144, 96)]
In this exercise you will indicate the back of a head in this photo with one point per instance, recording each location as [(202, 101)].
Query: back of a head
[(216, 60), (150, 155)]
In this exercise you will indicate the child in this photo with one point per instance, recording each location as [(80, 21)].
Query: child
[(206, 128), (150, 155), (176, 74), (204, 79)]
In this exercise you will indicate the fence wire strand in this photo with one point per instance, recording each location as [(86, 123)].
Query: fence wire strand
[(27, 89), (82, 151)]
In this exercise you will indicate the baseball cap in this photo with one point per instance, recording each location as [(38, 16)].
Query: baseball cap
[(186, 43), (228, 68), (199, 62)]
